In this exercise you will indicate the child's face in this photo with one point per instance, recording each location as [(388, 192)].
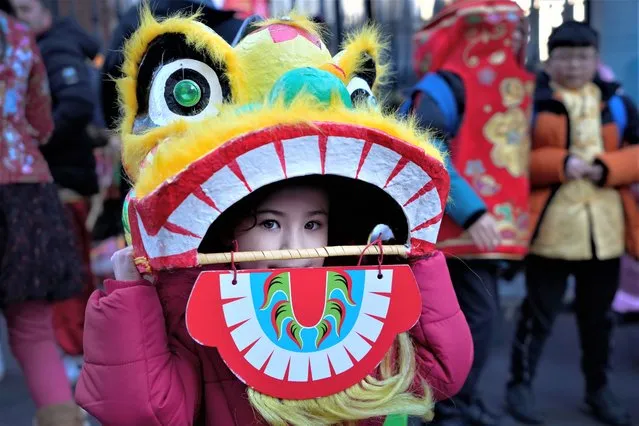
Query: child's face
[(293, 218), (573, 67)]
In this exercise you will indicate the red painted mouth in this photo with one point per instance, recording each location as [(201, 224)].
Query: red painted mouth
[(224, 315), (169, 224)]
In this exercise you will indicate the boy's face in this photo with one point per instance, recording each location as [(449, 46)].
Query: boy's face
[(573, 67)]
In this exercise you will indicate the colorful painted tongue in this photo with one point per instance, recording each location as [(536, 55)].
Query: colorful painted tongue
[(309, 308)]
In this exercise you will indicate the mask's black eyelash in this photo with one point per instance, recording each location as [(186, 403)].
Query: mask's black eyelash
[(162, 60)]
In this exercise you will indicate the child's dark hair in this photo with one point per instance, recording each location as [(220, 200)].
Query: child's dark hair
[(6, 7), (355, 208), (573, 34)]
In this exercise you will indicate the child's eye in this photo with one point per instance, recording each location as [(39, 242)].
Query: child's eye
[(270, 224), (312, 225)]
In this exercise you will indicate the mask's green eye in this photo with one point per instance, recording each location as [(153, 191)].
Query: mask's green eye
[(187, 93)]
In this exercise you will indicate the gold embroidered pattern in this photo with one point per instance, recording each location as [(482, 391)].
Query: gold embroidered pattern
[(512, 92), (507, 131), (497, 58), (483, 36)]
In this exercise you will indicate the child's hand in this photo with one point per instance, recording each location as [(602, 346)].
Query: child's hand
[(124, 266), (595, 173), (576, 168), (484, 232)]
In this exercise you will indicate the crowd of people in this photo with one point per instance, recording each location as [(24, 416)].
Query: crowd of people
[(544, 175)]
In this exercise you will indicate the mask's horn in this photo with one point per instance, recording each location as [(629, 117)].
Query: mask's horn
[(245, 29)]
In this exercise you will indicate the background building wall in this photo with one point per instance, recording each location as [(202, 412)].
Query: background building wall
[(618, 24)]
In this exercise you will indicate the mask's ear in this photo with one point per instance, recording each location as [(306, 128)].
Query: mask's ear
[(175, 70), (362, 62)]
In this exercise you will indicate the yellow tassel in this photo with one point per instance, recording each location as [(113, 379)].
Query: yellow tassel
[(391, 394)]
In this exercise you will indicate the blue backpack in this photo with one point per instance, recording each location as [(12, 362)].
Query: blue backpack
[(436, 87), (619, 114)]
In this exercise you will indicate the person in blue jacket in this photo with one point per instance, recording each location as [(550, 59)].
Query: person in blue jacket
[(484, 232)]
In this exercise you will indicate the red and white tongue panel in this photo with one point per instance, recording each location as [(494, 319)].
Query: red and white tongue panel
[(168, 225)]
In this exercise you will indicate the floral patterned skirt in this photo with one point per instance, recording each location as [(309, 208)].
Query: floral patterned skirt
[(38, 256)]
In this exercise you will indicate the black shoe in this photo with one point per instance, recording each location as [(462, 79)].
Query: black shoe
[(606, 408), (476, 414), (521, 404)]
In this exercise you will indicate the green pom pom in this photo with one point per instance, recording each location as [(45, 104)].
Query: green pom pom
[(187, 93), (320, 84), (125, 218)]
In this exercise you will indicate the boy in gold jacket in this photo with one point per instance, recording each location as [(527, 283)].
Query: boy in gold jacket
[(582, 215)]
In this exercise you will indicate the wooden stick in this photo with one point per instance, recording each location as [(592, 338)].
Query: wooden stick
[(334, 251)]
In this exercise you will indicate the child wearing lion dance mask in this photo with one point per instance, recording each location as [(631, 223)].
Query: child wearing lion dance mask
[(242, 299)]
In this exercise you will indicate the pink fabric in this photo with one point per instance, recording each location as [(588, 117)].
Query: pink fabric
[(33, 344), (142, 368)]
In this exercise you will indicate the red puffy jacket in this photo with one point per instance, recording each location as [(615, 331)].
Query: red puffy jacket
[(142, 368)]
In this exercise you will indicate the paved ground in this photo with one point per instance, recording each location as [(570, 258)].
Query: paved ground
[(559, 385)]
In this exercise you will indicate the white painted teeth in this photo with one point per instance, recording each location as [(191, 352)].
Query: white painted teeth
[(247, 333), (261, 166), (378, 166), (278, 363), (224, 188), (343, 156), (264, 354), (196, 224), (302, 156)]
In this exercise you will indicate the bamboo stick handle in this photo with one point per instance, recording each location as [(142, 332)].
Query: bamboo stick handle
[(334, 251)]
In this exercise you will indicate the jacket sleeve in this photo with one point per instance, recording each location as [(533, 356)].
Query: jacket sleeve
[(621, 166), (465, 205), (72, 93), (548, 155), (38, 103), (444, 347), (134, 374)]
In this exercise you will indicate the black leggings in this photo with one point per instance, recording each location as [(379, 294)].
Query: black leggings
[(546, 281)]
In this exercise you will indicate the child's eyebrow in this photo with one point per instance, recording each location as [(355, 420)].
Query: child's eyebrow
[(317, 212), (270, 211)]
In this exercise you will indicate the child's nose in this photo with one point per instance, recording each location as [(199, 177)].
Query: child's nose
[(293, 240)]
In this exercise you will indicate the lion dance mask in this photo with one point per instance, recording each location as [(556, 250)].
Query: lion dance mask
[(205, 124)]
